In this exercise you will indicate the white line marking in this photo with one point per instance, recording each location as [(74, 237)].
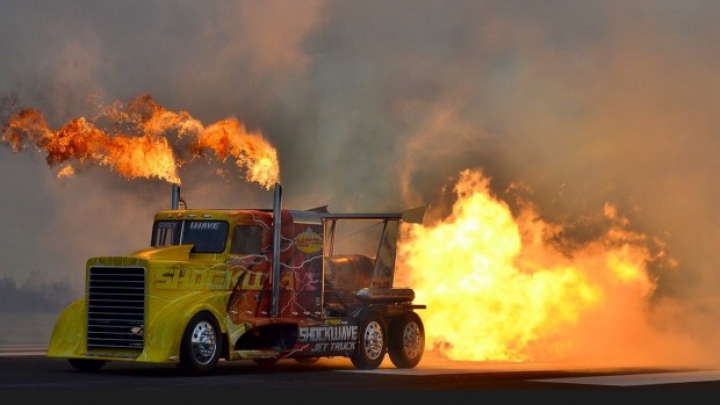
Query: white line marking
[(22, 350), (17, 347), (15, 354), (415, 371), (641, 379)]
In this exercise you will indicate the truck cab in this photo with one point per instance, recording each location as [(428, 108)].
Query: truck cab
[(257, 284)]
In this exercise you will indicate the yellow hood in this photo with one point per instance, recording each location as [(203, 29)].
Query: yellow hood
[(177, 253)]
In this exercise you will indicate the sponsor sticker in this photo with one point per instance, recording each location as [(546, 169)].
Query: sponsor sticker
[(309, 241)]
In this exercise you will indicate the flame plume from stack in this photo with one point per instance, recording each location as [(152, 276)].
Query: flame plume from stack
[(134, 141)]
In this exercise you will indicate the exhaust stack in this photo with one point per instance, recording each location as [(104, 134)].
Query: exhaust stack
[(175, 196), (277, 207)]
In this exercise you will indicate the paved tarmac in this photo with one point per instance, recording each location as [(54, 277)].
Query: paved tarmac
[(26, 373)]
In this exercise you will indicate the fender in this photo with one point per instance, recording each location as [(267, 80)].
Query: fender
[(68, 335), (360, 316), (164, 331)]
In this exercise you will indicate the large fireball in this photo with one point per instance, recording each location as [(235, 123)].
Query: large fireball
[(504, 287)]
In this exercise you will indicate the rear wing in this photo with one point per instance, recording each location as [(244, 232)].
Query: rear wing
[(384, 271), (413, 215)]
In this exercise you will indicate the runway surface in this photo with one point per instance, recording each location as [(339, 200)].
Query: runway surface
[(26, 372)]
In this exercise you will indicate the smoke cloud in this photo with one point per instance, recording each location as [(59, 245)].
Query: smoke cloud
[(378, 106)]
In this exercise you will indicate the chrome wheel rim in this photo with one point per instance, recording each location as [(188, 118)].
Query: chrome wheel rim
[(203, 342), (412, 342), (373, 339)]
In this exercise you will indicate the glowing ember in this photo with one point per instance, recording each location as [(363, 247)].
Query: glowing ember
[(137, 143), (497, 288), (66, 171)]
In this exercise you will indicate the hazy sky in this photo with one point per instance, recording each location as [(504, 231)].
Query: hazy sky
[(375, 105)]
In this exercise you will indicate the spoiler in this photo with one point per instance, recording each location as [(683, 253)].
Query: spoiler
[(413, 215)]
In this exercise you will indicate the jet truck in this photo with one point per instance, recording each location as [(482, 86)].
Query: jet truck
[(246, 284)]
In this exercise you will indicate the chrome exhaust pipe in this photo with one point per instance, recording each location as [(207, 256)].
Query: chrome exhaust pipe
[(175, 196), (277, 212)]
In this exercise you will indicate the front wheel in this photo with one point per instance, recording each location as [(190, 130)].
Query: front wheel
[(86, 365), (407, 341), (372, 343), (201, 345)]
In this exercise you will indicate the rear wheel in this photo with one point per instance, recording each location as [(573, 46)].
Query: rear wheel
[(407, 341), (201, 345), (87, 365), (372, 343)]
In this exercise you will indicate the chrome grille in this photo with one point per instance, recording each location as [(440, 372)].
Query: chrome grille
[(116, 308)]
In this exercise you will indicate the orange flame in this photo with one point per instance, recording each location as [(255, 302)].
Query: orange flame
[(498, 288), (251, 150), (149, 153), (144, 156)]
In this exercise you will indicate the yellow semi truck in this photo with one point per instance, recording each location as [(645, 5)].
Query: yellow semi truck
[(258, 284)]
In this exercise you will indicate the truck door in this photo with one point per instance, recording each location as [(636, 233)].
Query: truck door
[(301, 276), (249, 272)]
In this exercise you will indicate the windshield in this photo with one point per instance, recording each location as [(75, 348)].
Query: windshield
[(206, 236)]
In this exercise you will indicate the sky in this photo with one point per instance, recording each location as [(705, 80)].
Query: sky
[(375, 106)]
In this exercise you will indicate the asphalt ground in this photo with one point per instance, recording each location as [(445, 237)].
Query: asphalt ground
[(25, 373)]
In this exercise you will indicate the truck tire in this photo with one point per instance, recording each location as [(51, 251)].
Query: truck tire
[(201, 345), (407, 340), (87, 365), (371, 344)]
